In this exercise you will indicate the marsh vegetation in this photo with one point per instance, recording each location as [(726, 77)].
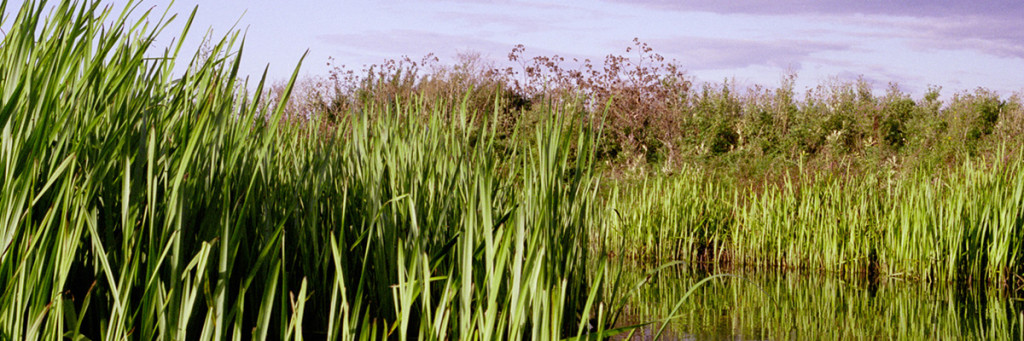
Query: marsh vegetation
[(415, 200)]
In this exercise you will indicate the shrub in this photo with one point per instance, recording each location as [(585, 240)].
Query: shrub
[(723, 138), (986, 109), (638, 97), (897, 112), (654, 114)]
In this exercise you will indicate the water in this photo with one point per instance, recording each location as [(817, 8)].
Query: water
[(794, 306)]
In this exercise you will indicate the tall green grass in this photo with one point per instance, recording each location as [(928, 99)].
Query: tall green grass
[(963, 224), (960, 225), (659, 218), (143, 204)]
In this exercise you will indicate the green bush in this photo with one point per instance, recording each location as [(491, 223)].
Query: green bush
[(987, 111), (723, 138), (897, 112)]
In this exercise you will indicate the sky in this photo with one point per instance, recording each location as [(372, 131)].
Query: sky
[(958, 45)]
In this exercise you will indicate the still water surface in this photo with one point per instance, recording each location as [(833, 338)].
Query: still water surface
[(794, 306)]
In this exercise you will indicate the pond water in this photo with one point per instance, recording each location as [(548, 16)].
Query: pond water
[(794, 306)]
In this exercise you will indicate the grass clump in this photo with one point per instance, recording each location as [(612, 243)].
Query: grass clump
[(143, 204), (961, 225)]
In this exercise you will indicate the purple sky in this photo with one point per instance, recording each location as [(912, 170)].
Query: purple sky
[(959, 45)]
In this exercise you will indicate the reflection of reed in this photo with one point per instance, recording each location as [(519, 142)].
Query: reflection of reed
[(783, 306)]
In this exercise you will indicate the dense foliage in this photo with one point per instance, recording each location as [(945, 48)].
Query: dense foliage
[(420, 201), (139, 204)]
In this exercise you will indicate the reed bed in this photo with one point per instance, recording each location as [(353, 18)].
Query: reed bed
[(660, 218), (144, 203), (141, 204), (959, 225)]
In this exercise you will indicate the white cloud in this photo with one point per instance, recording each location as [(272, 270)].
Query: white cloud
[(916, 43)]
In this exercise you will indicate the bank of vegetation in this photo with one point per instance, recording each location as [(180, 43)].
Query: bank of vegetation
[(420, 201), (834, 179)]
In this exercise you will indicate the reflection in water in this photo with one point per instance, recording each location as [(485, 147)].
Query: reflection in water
[(783, 306)]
